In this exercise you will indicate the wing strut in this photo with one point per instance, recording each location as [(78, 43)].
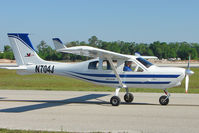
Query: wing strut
[(115, 72)]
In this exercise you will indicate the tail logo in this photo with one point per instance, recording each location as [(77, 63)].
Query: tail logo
[(29, 55)]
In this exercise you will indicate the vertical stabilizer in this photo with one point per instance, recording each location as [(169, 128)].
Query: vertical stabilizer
[(23, 49), (58, 44)]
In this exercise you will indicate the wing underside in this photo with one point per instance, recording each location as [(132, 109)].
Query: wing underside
[(93, 52)]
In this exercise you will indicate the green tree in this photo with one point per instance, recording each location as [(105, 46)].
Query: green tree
[(114, 46), (8, 54), (7, 48), (193, 53), (156, 48), (132, 48), (184, 50), (93, 41), (143, 49), (47, 53), (172, 53), (124, 47)]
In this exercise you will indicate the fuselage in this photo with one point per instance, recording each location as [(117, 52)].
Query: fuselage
[(151, 77)]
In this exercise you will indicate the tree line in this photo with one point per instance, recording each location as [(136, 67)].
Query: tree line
[(162, 50)]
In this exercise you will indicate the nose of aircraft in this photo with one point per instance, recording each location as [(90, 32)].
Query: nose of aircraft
[(182, 71), (185, 71), (188, 72)]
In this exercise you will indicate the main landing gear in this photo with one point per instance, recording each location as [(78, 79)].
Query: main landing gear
[(164, 100), (115, 100), (128, 97)]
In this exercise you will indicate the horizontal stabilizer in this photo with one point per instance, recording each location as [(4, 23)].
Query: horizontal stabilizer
[(15, 68), (149, 57)]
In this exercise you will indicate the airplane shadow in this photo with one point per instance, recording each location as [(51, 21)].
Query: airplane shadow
[(53, 103), (82, 100)]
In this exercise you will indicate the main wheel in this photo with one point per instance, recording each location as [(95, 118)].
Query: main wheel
[(128, 97), (115, 101), (164, 100)]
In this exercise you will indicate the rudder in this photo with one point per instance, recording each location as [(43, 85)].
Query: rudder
[(58, 44)]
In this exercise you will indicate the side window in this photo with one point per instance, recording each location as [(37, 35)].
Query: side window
[(138, 69), (107, 66), (130, 66), (93, 65)]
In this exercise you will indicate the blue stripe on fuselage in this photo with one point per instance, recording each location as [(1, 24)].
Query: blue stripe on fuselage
[(126, 82), (130, 75)]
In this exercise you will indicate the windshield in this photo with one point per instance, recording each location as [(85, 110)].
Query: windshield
[(144, 62)]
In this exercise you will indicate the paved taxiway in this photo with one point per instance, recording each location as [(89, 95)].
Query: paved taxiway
[(91, 111)]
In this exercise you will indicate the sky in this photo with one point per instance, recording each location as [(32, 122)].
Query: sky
[(110, 20)]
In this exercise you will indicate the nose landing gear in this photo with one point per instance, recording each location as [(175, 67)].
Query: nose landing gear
[(164, 100)]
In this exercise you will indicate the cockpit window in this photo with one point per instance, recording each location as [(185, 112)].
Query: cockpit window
[(106, 65), (144, 62), (130, 66), (93, 65), (127, 66)]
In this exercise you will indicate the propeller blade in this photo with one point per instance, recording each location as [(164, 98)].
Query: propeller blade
[(186, 83)]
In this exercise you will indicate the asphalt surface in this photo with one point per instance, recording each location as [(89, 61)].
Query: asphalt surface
[(91, 111)]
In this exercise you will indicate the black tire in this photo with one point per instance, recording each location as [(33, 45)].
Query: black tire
[(128, 97), (163, 101), (115, 101)]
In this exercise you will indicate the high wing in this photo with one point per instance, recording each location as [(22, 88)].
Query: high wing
[(92, 52)]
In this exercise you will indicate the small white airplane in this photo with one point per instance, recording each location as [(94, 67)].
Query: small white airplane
[(107, 68)]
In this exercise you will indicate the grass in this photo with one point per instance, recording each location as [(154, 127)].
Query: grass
[(10, 80)]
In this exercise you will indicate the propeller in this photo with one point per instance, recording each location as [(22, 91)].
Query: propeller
[(187, 73)]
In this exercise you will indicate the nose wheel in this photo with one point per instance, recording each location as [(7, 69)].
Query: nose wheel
[(164, 100)]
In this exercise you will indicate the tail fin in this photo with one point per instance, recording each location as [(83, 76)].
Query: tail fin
[(23, 49), (58, 44)]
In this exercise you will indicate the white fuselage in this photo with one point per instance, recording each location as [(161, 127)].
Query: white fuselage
[(152, 77)]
